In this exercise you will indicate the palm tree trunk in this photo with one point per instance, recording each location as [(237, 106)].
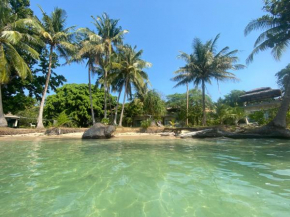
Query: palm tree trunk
[(122, 112), (116, 109), (90, 92), (187, 99), (280, 119), (105, 89), (3, 122), (203, 104), (40, 115)]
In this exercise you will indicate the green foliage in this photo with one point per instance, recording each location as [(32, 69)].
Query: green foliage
[(28, 115), (206, 64), (64, 120), (283, 77), (263, 117), (74, 99), (233, 98), (275, 26), (153, 104), (177, 102), (172, 123), (105, 121), (15, 103), (134, 108), (146, 123)]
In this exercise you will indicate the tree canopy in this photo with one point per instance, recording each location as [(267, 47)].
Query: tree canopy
[(73, 99)]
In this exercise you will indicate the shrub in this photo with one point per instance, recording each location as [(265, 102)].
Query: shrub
[(64, 120), (146, 123), (105, 121)]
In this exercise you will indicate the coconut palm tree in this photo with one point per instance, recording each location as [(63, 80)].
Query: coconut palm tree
[(275, 35), (205, 64), (111, 35), (90, 49), (182, 78), (131, 67), (13, 37), (59, 39)]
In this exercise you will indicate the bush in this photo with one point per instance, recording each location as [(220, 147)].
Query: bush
[(105, 121), (146, 123), (64, 120)]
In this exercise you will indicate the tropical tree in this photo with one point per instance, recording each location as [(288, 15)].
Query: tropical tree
[(75, 101), (153, 104), (276, 27), (205, 64), (13, 36), (131, 68), (283, 77), (90, 49), (182, 78), (59, 39), (111, 35)]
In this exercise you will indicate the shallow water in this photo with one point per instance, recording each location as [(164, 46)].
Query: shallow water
[(155, 178)]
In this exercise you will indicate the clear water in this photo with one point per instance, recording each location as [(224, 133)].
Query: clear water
[(147, 178)]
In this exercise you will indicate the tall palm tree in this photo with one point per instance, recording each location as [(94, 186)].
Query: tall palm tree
[(12, 38), (275, 35), (90, 49), (182, 79), (59, 39), (205, 64), (131, 66), (111, 35)]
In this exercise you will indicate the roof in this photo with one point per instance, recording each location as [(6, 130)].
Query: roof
[(9, 115), (258, 90), (260, 94)]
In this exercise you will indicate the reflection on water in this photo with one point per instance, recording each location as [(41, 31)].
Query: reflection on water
[(145, 178)]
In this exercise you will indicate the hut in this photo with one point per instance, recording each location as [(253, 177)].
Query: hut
[(12, 120), (263, 98)]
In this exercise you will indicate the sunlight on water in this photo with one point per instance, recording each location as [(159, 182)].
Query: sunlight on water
[(145, 178)]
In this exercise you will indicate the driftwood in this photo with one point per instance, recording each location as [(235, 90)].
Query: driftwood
[(260, 133), (191, 134), (167, 134)]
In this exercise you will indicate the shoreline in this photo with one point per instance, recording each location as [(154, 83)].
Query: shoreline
[(78, 135)]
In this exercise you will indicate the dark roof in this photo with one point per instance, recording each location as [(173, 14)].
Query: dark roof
[(260, 94), (258, 90)]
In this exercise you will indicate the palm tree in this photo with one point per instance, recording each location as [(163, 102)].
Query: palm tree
[(275, 36), (131, 66), (111, 34), (59, 39), (182, 78), (205, 64), (12, 38), (90, 49)]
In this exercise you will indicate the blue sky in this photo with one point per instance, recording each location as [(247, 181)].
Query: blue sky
[(163, 28)]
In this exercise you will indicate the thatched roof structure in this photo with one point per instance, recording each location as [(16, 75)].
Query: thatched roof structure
[(260, 94)]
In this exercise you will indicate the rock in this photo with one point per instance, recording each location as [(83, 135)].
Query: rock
[(53, 131), (99, 131)]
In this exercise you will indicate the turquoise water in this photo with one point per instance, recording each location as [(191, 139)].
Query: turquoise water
[(147, 178)]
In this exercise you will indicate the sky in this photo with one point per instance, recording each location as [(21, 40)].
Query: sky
[(162, 28)]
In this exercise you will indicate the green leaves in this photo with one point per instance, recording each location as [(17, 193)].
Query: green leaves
[(276, 25)]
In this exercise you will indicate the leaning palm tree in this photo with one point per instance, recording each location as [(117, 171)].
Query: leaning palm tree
[(275, 35), (12, 38), (205, 64), (111, 35), (90, 49), (59, 39), (131, 66)]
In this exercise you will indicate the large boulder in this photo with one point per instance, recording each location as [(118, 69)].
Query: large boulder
[(99, 131)]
